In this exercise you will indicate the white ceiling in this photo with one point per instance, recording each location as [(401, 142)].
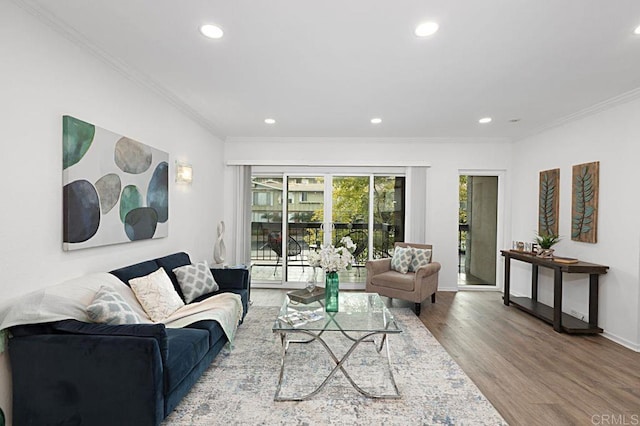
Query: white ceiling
[(326, 67)]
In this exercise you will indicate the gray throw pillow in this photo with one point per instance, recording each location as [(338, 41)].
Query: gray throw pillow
[(401, 259), (421, 257), (108, 307), (195, 280)]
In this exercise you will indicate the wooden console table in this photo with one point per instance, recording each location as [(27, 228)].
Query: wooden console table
[(554, 315)]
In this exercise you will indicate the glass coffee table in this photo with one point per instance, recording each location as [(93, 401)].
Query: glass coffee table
[(362, 318)]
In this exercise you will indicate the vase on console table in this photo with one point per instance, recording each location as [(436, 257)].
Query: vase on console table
[(545, 242), (331, 292), (545, 253)]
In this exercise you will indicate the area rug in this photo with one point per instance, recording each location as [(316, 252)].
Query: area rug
[(239, 386)]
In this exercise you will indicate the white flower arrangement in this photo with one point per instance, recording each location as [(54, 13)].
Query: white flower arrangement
[(333, 259)]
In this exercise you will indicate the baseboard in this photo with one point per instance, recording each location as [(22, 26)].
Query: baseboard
[(621, 341)]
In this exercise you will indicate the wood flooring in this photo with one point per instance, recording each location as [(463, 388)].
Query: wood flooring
[(531, 374)]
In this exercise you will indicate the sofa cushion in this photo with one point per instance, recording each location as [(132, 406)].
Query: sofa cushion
[(33, 329), (171, 262), (195, 280), (187, 346), (156, 331), (401, 259), (212, 327), (237, 278), (134, 271), (156, 295), (393, 279), (109, 307), (419, 257)]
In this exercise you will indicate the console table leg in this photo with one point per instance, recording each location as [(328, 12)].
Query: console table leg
[(557, 300), (507, 279), (534, 282), (593, 300)]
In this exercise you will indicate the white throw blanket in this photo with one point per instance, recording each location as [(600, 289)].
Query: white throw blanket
[(70, 299), (225, 308)]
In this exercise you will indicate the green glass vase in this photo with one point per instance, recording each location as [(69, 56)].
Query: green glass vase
[(331, 292)]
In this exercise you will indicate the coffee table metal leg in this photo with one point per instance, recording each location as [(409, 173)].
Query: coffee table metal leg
[(339, 366)]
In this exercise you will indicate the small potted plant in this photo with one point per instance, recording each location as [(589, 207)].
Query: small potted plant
[(545, 242)]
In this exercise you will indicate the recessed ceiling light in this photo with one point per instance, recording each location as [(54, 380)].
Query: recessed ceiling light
[(270, 121), (376, 120), (485, 120), (637, 30), (426, 29), (211, 31)]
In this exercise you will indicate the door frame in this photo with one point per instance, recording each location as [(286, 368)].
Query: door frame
[(500, 225)]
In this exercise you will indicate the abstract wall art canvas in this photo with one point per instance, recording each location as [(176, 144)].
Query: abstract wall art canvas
[(548, 202), (115, 189), (584, 202)]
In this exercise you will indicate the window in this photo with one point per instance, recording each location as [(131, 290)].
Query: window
[(262, 199), (368, 207), (388, 213)]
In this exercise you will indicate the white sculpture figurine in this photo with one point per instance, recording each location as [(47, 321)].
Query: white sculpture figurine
[(219, 250)]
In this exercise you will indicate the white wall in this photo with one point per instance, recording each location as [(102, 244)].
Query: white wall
[(612, 138), (445, 157), (43, 76)]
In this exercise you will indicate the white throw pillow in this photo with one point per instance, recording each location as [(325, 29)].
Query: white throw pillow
[(401, 259), (419, 257), (156, 295), (108, 307), (195, 280)]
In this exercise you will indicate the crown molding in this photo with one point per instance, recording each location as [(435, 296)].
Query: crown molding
[(337, 162), (605, 105), (144, 80)]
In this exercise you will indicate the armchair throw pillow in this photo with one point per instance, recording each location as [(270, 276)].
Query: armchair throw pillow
[(401, 259), (419, 257), (156, 294), (108, 307), (195, 280)]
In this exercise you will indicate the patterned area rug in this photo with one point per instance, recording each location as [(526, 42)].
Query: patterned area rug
[(239, 386)]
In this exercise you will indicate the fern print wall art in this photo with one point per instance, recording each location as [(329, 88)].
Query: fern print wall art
[(548, 202), (584, 202)]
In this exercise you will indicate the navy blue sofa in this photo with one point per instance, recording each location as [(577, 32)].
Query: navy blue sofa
[(75, 373)]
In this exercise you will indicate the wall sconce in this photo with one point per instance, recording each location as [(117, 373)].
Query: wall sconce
[(184, 173)]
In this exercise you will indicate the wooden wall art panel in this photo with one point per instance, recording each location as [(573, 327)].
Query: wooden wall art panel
[(584, 202), (548, 202)]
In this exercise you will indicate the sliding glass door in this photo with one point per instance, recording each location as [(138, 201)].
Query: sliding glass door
[(305, 225), (266, 226), (322, 209), (350, 218)]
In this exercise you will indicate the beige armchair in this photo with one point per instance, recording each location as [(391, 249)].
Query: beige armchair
[(412, 286)]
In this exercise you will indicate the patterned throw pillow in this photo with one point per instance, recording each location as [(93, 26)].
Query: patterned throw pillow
[(401, 259), (108, 307), (420, 257), (195, 280), (156, 294)]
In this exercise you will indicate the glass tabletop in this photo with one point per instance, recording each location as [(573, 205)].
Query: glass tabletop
[(364, 312)]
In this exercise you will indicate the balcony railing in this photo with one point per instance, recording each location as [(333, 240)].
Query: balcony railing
[(266, 240)]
